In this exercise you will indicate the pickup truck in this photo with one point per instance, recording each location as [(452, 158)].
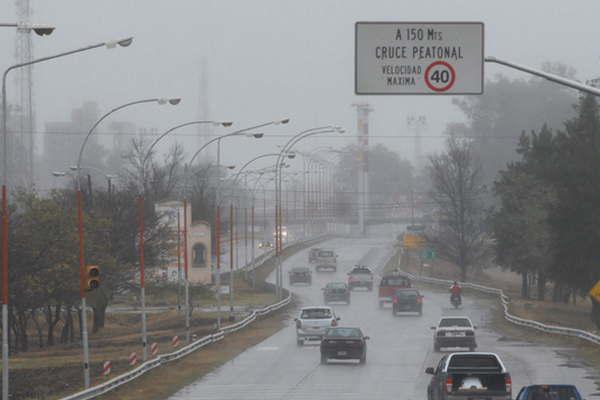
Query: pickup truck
[(542, 392), (312, 254), (469, 376), (388, 286), (360, 276)]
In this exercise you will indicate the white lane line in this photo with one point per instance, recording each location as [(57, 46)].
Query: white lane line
[(268, 348)]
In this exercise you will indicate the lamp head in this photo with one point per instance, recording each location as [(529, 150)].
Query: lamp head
[(43, 30)]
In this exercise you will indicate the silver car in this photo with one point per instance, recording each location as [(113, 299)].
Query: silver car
[(312, 323)]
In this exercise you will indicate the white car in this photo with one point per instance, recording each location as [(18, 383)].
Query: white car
[(313, 322), (454, 332)]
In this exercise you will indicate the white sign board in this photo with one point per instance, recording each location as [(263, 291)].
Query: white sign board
[(419, 58)]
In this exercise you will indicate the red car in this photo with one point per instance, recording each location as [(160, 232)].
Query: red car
[(388, 286)]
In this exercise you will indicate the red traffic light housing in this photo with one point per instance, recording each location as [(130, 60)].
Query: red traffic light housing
[(92, 278)]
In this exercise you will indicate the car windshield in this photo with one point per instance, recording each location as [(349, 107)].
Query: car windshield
[(361, 271), (394, 281), (552, 392), (406, 294), (461, 322), (336, 285), (326, 253), (316, 313), (344, 332)]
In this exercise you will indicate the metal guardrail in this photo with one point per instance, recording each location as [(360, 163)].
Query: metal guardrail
[(162, 359), (505, 301)]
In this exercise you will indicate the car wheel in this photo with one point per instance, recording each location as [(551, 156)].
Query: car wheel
[(394, 312), (323, 359), (363, 359), (436, 348), (420, 311), (471, 349), (300, 342), (381, 305)]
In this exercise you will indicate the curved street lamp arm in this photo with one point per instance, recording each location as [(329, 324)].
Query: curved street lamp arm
[(98, 123), (158, 139), (235, 178), (15, 66)]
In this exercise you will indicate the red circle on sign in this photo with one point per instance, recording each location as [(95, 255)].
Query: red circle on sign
[(452, 76)]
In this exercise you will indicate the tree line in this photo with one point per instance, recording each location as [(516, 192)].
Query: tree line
[(540, 214), (44, 304)]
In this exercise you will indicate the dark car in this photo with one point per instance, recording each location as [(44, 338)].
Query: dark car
[(344, 344), (389, 284), (407, 300), (300, 275), (336, 291), (549, 392)]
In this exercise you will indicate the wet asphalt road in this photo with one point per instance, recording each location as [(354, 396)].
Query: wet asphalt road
[(399, 350)]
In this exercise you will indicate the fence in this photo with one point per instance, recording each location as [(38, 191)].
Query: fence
[(505, 301)]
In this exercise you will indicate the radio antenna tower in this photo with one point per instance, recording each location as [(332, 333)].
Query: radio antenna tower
[(25, 121), (204, 130)]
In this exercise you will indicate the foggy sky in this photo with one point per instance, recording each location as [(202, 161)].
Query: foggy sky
[(271, 59)]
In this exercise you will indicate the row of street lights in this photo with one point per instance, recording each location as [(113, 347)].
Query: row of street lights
[(42, 31), (285, 152)]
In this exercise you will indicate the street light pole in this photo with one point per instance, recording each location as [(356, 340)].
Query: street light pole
[(218, 200), (123, 43), (84, 332), (278, 176)]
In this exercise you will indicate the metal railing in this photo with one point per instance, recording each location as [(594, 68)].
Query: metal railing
[(505, 301), (198, 344)]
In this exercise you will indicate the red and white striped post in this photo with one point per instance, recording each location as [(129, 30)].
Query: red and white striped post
[(132, 359), (154, 349), (106, 368)]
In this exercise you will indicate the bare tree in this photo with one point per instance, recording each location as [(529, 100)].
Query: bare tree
[(457, 192)]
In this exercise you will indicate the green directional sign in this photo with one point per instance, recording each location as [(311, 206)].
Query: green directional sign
[(428, 254)]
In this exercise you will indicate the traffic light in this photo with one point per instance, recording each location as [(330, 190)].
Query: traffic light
[(92, 278)]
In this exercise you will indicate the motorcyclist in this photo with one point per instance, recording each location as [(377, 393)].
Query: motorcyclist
[(455, 292)]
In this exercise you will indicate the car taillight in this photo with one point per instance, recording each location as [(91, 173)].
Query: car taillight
[(508, 383), (333, 322), (298, 324), (395, 300), (448, 384), (419, 299)]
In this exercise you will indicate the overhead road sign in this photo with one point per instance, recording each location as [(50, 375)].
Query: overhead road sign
[(418, 58)]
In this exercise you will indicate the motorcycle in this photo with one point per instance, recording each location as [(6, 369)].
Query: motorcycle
[(455, 300)]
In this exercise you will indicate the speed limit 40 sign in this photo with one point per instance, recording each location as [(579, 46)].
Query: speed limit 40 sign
[(419, 58)]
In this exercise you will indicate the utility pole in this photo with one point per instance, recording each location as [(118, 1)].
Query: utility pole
[(362, 112), (26, 123), (231, 260)]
